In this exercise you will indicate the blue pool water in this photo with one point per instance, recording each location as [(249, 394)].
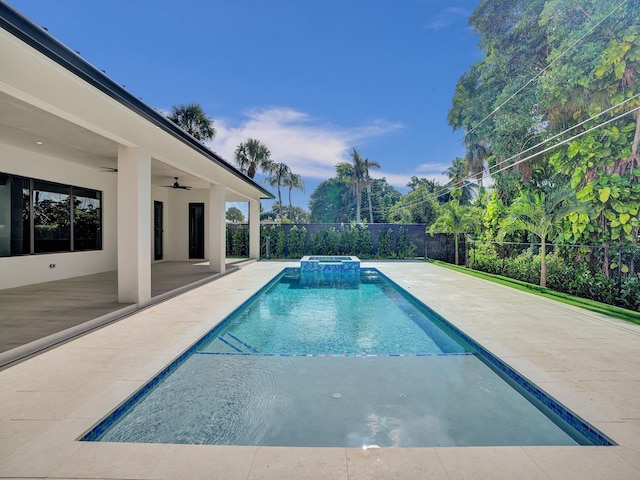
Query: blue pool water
[(344, 366), (373, 319)]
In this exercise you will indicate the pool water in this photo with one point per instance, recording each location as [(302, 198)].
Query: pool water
[(348, 366), (373, 319)]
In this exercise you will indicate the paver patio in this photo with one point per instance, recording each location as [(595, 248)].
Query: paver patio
[(589, 362)]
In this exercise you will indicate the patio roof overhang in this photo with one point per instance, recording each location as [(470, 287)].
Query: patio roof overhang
[(65, 117)]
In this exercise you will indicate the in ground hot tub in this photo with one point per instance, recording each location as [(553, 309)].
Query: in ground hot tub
[(327, 269)]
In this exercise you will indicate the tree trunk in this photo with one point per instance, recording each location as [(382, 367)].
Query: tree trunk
[(543, 262), (455, 242), (370, 207)]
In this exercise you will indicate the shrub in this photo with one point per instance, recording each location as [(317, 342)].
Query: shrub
[(385, 244), (296, 242), (240, 242), (364, 245), (630, 293), (404, 248)]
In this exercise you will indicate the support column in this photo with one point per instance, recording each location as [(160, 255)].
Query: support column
[(217, 228), (134, 225), (254, 229)]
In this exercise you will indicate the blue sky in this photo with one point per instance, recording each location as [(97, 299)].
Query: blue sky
[(311, 79)]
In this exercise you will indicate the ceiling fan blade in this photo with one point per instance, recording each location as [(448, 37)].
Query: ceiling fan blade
[(176, 185)]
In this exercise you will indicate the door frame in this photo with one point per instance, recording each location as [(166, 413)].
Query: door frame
[(158, 230), (196, 230)]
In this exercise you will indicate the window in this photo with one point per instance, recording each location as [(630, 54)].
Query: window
[(51, 217), (87, 219), (45, 217)]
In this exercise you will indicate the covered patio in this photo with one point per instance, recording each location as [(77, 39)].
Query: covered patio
[(93, 180), (36, 317)]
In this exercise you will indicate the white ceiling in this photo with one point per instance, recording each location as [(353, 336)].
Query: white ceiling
[(27, 127)]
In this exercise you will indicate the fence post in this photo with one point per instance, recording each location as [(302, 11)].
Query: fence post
[(268, 239), (466, 250)]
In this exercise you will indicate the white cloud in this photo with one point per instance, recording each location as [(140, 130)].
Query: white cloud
[(310, 148), (447, 17)]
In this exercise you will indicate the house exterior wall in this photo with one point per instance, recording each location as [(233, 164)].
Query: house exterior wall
[(178, 233), (85, 117), (28, 269)]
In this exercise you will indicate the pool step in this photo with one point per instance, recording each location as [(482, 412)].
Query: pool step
[(234, 344)]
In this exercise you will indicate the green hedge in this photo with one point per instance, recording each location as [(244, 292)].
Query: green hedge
[(563, 275), (344, 240)]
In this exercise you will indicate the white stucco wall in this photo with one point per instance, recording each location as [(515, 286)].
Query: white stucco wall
[(29, 269), (177, 246)]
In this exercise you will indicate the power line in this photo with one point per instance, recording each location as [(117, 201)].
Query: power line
[(565, 131), (568, 139), (450, 188), (546, 68)]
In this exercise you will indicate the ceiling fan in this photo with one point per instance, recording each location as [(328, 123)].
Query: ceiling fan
[(177, 185)]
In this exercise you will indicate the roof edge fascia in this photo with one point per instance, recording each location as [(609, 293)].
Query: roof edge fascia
[(38, 38)]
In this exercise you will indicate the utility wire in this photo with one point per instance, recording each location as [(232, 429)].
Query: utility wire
[(567, 140), (546, 68), (563, 132), (450, 188)]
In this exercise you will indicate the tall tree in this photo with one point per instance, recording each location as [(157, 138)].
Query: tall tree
[(279, 173), (496, 103), (455, 219), (234, 214), (291, 181), (192, 119), (368, 164), (542, 215), (358, 174), (459, 185), (326, 202), (599, 77), (431, 185), (253, 155), (418, 206)]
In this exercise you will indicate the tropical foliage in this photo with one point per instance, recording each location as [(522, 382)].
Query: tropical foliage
[(551, 112), (252, 156), (192, 119), (234, 214), (357, 172)]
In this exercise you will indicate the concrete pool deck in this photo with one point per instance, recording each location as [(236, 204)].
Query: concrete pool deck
[(587, 361)]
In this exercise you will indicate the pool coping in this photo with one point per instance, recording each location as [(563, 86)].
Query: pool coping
[(48, 401)]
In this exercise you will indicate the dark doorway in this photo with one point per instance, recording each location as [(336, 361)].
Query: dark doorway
[(196, 230), (158, 228)]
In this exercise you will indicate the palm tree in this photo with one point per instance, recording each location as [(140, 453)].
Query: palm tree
[(358, 174), (541, 214), (460, 186), (279, 172), (368, 182), (251, 155), (456, 219), (291, 181), (192, 119), (477, 155)]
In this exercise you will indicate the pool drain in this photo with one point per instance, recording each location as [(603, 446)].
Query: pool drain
[(336, 395), (402, 395)]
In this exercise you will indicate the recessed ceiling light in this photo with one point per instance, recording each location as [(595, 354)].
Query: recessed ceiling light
[(39, 143)]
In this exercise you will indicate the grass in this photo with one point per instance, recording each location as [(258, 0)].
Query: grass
[(592, 305)]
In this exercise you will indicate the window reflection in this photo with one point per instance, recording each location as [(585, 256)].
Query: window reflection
[(37, 217), (87, 231), (15, 228), (51, 217)]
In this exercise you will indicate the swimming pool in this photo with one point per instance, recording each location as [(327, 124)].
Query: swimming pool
[(341, 366)]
